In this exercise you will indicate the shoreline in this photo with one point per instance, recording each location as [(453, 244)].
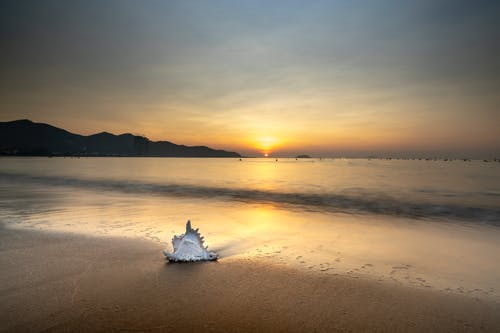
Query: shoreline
[(66, 282)]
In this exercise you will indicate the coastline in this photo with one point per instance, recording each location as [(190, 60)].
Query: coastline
[(62, 282)]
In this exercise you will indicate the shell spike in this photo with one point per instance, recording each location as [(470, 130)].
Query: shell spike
[(188, 226)]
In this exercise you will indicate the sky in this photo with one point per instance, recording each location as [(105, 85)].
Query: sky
[(324, 78)]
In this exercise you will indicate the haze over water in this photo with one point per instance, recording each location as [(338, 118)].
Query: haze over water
[(430, 224)]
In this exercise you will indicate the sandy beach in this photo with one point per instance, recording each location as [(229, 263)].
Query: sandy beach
[(335, 165), (62, 282)]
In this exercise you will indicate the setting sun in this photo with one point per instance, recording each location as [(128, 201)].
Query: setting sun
[(265, 145)]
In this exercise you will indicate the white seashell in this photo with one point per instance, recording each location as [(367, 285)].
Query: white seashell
[(189, 247)]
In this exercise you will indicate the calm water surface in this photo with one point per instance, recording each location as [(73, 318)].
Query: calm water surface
[(430, 224)]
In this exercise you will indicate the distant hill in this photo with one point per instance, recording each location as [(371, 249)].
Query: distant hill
[(27, 138)]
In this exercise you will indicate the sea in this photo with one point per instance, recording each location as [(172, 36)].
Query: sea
[(431, 224)]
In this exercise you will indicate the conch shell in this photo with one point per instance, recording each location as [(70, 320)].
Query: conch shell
[(189, 247)]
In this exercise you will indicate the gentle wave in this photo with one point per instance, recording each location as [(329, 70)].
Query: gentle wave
[(368, 202)]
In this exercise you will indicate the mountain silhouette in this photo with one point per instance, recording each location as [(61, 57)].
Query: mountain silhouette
[(27, 138)]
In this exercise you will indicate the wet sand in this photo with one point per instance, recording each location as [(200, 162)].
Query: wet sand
[(72, 283)]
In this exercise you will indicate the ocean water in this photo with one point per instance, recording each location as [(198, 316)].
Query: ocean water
[(427, 224)]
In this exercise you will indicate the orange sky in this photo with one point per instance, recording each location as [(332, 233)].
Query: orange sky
[(324, 79)]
